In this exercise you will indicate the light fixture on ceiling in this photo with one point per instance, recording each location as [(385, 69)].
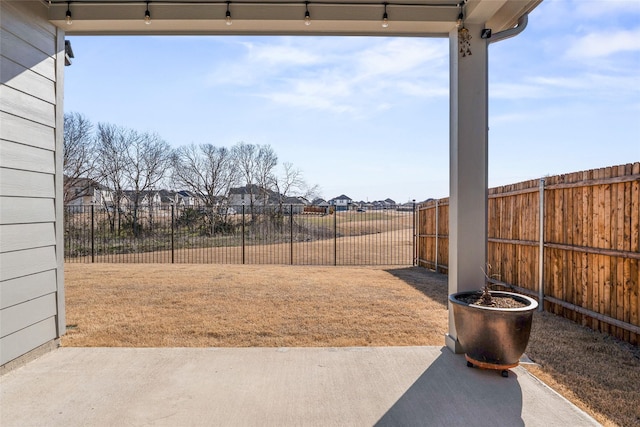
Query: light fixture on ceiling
[(385, 17), (147, 15), (68, 15), (307, 16), (227, 17)]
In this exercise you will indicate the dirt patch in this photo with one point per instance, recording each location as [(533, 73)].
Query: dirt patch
[(184, 305)]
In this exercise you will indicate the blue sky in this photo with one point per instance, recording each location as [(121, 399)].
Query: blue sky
[(369, 117)]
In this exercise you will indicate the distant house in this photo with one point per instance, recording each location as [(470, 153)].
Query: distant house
[(317, 206), (390, 204), (167, 199), (256, 196), (406, 207), (365, 206), (147, 200), (85, 191), (341, 203), (321, 203), (186, 199), (252, 195), (295, 204)]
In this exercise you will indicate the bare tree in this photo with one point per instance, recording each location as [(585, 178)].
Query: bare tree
[(132, 162), (146, 160), (255, 165), (110, 163), (266, 161), (205, 170), (291, 182), (78, 159)]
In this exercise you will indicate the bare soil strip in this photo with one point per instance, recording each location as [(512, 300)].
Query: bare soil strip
[(186, 305)]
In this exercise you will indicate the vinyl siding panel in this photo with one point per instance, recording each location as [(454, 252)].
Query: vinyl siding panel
[(22, 53), (21, 316), (17, 291), (25, 340), (18, 183), (25, 80), (22, 131), (23, 263), (26, 236), (22, 210), (31, 120), (18, 156), (25, 105), (30, 23)]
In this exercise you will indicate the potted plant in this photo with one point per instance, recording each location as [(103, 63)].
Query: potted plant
[(493, 327)]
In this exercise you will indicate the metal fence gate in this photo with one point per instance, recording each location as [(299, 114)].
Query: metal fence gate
[(240, 235)]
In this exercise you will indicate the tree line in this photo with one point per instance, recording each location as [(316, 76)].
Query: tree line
[(127, 160)]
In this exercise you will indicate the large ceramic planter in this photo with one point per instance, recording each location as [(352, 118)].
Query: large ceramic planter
[(493, 338)]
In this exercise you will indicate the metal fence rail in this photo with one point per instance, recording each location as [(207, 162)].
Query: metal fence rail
[(239, 235)]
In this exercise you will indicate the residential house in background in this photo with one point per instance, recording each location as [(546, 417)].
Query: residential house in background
[(168, 198), (254, 195), (82, 192), (295, 204), (341, 203), (384, 204), (320, 203), (318, 206), (406, 207), (186, 199), (148, 200)]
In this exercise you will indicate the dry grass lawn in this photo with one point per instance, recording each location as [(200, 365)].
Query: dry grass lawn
[(166, 305), (174, 305)]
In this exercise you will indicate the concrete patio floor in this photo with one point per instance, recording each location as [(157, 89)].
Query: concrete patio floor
[(364, 386)]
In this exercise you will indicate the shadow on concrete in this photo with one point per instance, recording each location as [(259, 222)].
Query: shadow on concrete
[(450, 394), (433, 285)]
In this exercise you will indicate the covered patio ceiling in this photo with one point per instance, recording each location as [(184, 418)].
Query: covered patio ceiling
[(424, 18)]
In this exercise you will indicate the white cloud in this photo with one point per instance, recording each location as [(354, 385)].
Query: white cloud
[(584, 84), (321, 74), (509, 118), (598, 8), (282, 55), (603, 44), (522, 90), (400, 57)]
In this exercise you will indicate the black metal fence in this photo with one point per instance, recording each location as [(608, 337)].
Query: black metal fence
[(239, 235)]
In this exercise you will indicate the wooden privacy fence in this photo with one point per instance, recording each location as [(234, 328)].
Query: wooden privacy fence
[(589, 241)]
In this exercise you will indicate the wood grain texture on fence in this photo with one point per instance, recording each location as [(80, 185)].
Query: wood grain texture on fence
[(591, 244)]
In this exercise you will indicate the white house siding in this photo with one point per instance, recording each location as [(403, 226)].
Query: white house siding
[(31, 117)]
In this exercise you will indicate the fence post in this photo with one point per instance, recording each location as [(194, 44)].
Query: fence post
[(415, 235), (243, 232), (436, 254), (93, 251), (173, 223), (541, 250), (291, 232), (335, 236)]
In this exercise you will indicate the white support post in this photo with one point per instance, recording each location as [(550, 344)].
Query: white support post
[(468, 168)]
